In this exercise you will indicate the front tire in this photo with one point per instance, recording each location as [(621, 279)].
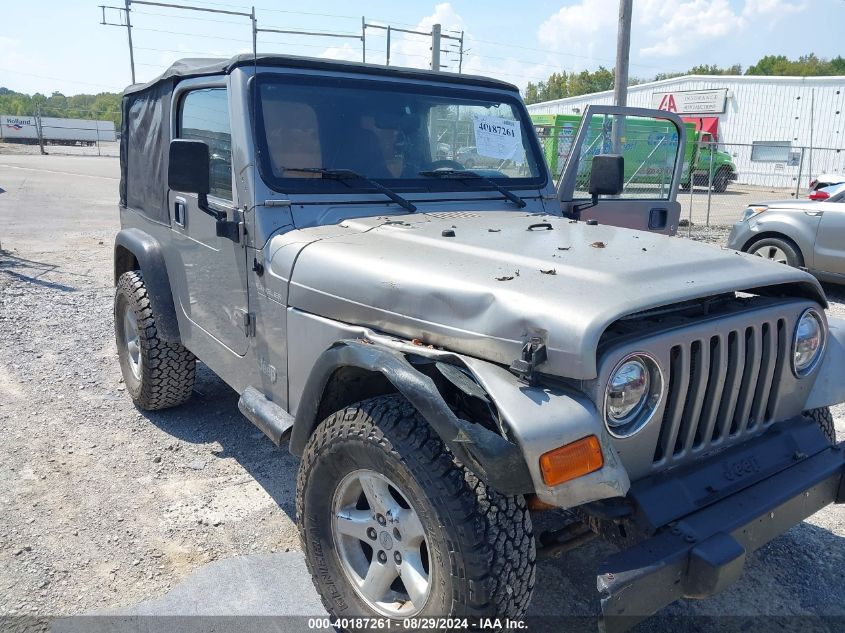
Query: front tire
[(824, 418), (777, 250), (157, 374), (392, 526)]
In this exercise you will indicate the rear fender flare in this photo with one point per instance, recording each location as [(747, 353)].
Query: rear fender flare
[(136, 250)]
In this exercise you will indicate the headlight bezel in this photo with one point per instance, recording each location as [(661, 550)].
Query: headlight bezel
[(814, 363), (651, 402), (752, 211)]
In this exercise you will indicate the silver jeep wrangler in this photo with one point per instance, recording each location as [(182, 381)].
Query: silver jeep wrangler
[(451, 350)]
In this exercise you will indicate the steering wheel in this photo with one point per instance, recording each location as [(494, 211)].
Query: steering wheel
[(448, 164)]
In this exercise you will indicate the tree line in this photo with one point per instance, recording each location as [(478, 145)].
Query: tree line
[(562, 84), (104, 105)]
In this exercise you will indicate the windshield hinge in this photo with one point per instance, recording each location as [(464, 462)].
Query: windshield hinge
[(533, 354)]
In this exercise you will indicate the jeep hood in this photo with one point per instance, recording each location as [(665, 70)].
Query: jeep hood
[(483, 283)]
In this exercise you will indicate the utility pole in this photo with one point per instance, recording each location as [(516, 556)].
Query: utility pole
[(461, 54), (623, 52), (129, 35), (123, 23), (387, 61), (435, 48)]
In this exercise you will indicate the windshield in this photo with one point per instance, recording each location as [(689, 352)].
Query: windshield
[(390, 133)]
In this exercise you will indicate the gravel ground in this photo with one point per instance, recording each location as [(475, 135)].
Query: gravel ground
[(104, 505)]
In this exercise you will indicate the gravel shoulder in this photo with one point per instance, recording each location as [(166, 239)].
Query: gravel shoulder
[(105, 506)]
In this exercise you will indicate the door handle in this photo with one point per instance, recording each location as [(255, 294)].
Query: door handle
[(657, 219), (179, 208)]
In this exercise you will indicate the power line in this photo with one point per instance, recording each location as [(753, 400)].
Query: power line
[(296, 33), (70, 81)]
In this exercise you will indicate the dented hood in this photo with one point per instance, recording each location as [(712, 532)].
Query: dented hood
[(483, 283)]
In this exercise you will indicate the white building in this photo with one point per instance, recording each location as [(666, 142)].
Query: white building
[(779, 130)]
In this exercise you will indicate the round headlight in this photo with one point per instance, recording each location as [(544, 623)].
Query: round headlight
[(633, 392), (808, 342)]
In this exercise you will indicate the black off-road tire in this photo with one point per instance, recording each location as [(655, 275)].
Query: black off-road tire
[(167, 369), (824, 418), (481, 544)]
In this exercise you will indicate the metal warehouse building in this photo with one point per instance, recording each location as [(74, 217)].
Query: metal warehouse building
[(781, 131)]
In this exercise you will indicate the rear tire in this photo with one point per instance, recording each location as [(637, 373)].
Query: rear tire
[(824, 418), (157, 374), (479, 544), (778, 250)]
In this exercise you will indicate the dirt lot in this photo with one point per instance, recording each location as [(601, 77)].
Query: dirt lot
[(104, 506)]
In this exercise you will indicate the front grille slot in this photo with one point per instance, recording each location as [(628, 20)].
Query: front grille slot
[(721, 388)]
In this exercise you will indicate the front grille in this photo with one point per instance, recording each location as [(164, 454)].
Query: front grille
[(722, 387)]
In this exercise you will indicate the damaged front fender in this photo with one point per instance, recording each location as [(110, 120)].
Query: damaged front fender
[(494, 459), (533, 419), (829, 387), (542, 418)]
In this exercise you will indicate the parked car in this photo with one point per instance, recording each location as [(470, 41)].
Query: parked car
[(471, 159), (826, 192), (451, 352), (826, 180), (801, 233)]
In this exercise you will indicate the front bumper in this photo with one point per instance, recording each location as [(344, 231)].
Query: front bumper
[(740, 234), (702, 553)]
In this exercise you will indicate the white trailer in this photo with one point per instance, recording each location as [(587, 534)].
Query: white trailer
[(56, 131)]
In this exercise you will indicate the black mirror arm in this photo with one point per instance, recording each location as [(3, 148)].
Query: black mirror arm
[(575, 214), (224, 228), (202, 205)]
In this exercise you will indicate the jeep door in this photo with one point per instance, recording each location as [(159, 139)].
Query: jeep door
[(652, 143), (213, 295)]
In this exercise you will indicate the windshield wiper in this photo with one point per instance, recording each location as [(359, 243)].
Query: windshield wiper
[(467, 174), (347, 174)]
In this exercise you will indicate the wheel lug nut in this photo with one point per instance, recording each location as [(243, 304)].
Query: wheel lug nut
[(382, 557), (381, 520), (397, 557), (371, 532), (396, 534)]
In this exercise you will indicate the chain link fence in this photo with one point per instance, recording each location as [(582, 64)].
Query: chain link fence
[(728, 177), (720, 179), (34, 134)]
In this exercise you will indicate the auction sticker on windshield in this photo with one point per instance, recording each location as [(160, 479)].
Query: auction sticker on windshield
[(498, 138)]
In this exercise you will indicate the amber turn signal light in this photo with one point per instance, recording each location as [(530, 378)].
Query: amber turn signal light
[(572, 460)]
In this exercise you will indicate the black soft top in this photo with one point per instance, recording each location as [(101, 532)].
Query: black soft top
[(201, 67), (145, 125)]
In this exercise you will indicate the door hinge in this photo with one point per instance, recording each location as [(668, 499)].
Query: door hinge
[(249, 323), (246, 320)]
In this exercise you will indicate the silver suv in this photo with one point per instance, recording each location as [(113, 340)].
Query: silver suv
[(451, 351)]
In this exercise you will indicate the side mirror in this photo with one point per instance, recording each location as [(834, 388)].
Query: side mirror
[(188, 166), (607, 176)]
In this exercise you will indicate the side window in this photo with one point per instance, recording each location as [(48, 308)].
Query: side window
[(649, 146), (204, 116)]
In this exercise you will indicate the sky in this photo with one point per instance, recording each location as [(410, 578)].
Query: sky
[(54, 45)]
